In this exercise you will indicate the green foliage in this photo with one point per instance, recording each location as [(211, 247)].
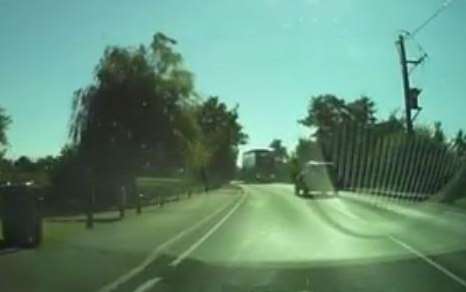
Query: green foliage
[(438, 135), (128, 119), (459, 143), (328, 112), (141, 116), (25, 169), (24, 163), (5, 122), (281, 157), (223, 134), (294, 167), (279, 150), (7, 170), (307, 150), (70, 181)]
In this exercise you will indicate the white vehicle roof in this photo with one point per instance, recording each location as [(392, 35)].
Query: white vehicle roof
[(318, 163)]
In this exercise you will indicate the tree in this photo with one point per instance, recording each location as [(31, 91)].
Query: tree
[(46, 164), (142, 115), (69, 179), (362, 111), (392, 126), (438, 135), (196, 150), (307, 150), (327, 113), (330, 117), (128, 118), (7, 170), (24, 164), (459, 143), (282, 165), (5, 165), (5, 122), (223, 133), (294, 167), (279, 150)]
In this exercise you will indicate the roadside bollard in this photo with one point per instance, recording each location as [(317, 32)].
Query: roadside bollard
[(122, 202), (138, 203)]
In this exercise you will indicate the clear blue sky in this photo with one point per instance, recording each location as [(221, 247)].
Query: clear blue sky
[(269, 56)]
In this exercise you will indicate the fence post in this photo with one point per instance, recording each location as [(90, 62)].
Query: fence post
[(90, 210), (138, 203), (122, 202)]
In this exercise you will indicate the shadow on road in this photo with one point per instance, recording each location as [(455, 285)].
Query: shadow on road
[(324, 215), (345, 228), (83, 220), (317, 196)]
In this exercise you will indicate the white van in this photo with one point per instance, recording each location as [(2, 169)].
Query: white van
[(315, 177)]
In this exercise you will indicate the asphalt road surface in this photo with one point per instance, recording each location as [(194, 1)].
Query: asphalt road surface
[(263, 238)]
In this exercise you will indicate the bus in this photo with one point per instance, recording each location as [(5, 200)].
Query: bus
[(259, 165)]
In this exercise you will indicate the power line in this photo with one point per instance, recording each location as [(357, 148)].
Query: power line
[(411, 94), (442, 8)]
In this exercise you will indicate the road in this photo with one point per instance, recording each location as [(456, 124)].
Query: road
[(262, 238)]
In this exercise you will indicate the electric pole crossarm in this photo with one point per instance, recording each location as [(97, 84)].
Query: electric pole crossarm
[(418, 61)]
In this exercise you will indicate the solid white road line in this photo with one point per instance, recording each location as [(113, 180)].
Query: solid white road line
[(434, 264), (157, 251), (147, 285), (187, 252), (439, 267)]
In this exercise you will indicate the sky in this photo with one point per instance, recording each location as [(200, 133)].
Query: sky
[(268, 56)]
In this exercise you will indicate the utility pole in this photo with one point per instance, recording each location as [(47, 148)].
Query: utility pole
[(406, 87), (410, 94)]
